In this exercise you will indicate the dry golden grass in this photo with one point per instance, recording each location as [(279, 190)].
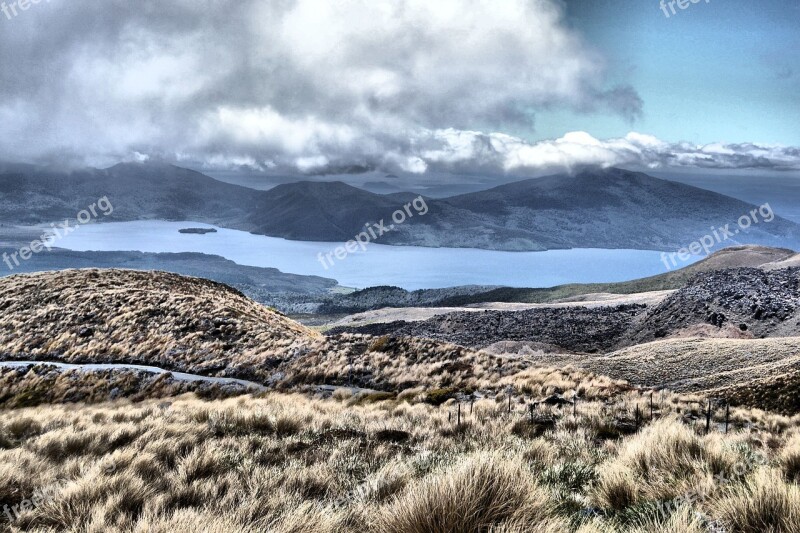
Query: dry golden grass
[(159, 318), (399, 461), (293, 463), (755, 372)]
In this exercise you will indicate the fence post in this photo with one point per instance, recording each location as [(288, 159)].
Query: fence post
[(727, 415), (459, 413), (510, 390), (652, 416), (708, 417), (575, 406), (530, 410), (350, 371)]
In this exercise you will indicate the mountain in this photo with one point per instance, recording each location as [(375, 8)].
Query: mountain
[(598, 208), (611, 208), (325, 211), (136, 192)]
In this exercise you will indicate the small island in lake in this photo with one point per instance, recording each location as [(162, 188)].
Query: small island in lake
[(197, 231)]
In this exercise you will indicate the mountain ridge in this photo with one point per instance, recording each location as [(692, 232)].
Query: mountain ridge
[(611, 208)]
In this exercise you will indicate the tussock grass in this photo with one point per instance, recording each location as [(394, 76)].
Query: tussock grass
[(118, 315), (294, 463), (764, 504), (482, 493)]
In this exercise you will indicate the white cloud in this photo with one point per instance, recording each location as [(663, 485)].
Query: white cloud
[(465, 150), (316, 86), (286, 81)]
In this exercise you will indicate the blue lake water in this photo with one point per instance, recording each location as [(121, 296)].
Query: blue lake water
[(409, 267)]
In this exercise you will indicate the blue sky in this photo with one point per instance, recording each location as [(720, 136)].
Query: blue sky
[(723, 71)]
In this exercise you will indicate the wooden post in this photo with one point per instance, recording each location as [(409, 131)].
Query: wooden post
[(638, 416), (350, 371), (708, 417), (530, 409), (471, 404), (575, 406), (509, 399), (459, 413), (727, 415), (449, 416), (651, 407)]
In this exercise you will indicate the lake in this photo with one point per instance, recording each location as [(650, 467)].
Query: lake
[(409, 267)]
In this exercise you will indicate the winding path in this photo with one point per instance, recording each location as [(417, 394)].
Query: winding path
[(179, 376)]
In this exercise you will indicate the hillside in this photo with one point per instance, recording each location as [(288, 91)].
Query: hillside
[(574, 329), (743, 301), (762, 373), (201, 327), (598, 208), (287, 463), (155, 318), (693, 364), (736, 303), (269, 286)]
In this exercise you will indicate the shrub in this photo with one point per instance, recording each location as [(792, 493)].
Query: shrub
[(379, 345), (570, 475), (439, 396), (375, 397), (342, 394)]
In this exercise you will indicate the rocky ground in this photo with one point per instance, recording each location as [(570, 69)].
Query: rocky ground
[(756, 302), (733, 303), (576, 329)]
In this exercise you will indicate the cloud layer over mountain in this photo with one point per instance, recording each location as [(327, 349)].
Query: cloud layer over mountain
[(310, 86)]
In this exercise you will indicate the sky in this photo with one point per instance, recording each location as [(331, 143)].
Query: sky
[(407, 87)]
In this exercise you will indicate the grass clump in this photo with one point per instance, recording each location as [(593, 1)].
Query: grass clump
[(487, 492)]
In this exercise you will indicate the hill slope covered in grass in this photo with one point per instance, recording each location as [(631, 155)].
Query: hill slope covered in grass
[(203, 327), (701, 365), (155, 318)]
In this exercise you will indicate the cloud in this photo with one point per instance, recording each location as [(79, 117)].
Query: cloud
[(288, 83), (306, 86), (466, 151)]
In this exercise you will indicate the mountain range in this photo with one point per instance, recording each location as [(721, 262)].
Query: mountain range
[(599, 208)]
